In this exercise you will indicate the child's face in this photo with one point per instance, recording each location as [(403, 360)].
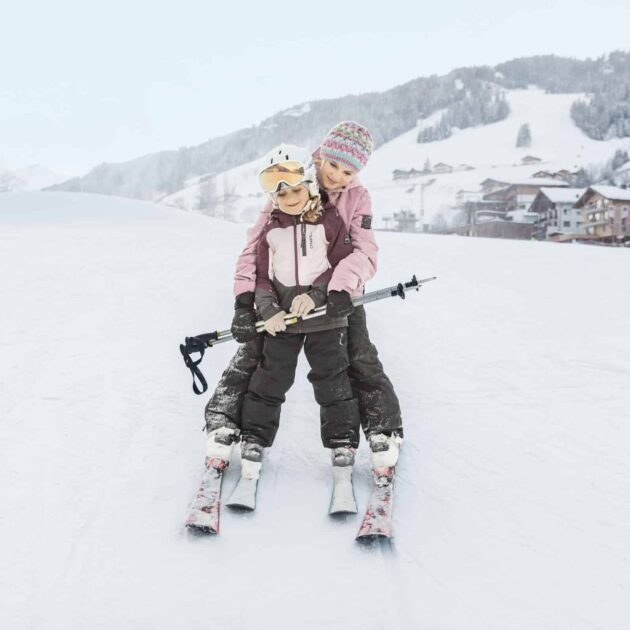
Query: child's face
[(292, 200), (333, 175)]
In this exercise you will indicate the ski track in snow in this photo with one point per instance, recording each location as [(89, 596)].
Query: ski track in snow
[(511, 505)]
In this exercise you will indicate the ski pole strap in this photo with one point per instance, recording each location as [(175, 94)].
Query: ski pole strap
[(197, 344)]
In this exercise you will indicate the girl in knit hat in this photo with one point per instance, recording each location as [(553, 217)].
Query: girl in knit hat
[(344, 151)]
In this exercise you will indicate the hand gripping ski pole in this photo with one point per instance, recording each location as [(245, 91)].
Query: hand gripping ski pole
[(199, 343)]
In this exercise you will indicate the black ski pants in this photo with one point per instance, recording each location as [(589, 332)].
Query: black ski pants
[(327, 354), (379, 409)]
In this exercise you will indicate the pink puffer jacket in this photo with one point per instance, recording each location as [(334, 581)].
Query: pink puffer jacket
[(355, 208)]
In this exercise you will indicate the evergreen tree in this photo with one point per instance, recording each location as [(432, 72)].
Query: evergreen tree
[(524, 137), (208, 195), (581, 179), (619, 159)]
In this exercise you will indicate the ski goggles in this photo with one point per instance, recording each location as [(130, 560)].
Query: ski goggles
[(288, 173)]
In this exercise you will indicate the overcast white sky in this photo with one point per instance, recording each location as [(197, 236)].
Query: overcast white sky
[(87, 82)]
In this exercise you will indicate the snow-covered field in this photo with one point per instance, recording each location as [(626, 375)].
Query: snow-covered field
[(512, 504)]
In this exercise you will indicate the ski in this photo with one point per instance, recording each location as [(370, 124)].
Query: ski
[(244, 495), (205, 510), (377, 522), (342, 500)]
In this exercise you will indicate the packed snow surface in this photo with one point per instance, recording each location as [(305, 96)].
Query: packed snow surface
[(512, 507)]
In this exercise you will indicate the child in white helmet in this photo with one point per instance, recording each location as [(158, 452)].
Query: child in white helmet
[(298, 251)]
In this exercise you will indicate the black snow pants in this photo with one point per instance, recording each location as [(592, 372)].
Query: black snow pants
[(379, 409), (327, 354)]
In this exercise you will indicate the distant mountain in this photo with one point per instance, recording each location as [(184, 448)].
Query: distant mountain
[(33, 177), (468, 96)]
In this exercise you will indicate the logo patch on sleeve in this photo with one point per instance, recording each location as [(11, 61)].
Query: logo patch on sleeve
[(366, 222)]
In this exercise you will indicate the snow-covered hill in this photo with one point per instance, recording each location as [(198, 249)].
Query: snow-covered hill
[(512, 504), (490, 150), (29, 178)]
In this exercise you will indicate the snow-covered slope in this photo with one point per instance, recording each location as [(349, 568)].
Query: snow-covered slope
[(32, 178), (490, 150), (512, 506)]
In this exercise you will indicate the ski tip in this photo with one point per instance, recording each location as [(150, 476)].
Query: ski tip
[(201, 530), (374, 541), (241, 507), (342, 511), (341, 517)]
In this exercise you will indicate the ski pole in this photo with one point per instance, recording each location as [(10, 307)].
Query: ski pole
[(199, 343)]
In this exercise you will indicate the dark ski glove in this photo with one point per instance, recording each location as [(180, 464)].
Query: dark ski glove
[(339, 304), (244, 320)]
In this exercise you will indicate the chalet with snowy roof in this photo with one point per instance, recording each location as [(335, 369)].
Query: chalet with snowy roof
[(441, 167), (411, 173), (557, 213), (531, 159), (545, 174), (605, 213), (564, 174), (519, 195), (490, 184)]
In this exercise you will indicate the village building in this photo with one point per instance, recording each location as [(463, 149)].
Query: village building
[(557, 213), (405, 221), (399, 174), (561, 174), (490, 184), (464, 196), (518, 196), (531, 159), (564, 174), (605, 213), (440, 168)]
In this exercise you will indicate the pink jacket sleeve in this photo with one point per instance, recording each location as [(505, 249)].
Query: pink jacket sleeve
[(360, 266), (245, 274)]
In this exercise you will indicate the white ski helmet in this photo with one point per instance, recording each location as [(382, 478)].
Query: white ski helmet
[(301, 170)]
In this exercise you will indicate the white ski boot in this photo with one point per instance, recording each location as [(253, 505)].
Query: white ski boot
[(251, 459), (244, 495), (343, 456), (342, 500), (384, 449), (220, 442)]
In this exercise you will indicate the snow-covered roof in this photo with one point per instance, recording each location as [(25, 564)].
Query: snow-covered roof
[(529, 181), (540, 181), (613, 192), (563, 195)]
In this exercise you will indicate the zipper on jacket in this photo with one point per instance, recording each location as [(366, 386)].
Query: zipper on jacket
[(303, 238), (295, 249)]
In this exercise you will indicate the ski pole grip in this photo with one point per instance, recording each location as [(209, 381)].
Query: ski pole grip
[(412, 283)]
